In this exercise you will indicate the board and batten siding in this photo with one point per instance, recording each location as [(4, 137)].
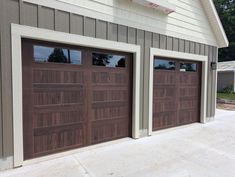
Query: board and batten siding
[(189, 21), (19, 12), (1, 130)]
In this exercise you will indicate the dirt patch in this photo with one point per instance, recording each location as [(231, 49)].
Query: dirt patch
[(226, 106)]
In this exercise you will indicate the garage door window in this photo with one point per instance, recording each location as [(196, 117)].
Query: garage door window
[(57, 55), (164, 64), (107, 60), (188, 67)]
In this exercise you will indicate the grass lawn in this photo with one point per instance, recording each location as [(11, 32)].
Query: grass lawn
[(228, 96)]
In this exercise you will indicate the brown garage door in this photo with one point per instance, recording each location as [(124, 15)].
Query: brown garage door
[(73, 97), (176, 97)]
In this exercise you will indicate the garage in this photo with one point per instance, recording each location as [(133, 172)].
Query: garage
[(176, 92), (73, 97)]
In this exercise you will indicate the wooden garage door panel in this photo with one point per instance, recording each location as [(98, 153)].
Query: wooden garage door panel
[(107, 130), (55, 139), (188, 103), (187, 116), (57, 97), (106, 95), (164, 92), (187, 78), (164, 119), (112, 78), (164, 78), (110, 103), (164, 106), (111, 112), (52, 117), (176, 93), (189, 92), (67, 105), (50, 76)]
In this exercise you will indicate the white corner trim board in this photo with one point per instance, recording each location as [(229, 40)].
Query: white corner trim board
[(180, 56), (19, 31)]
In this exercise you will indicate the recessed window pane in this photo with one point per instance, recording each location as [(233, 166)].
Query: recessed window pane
[(107, 60), (57, 55), (164, 64), (188, 67)]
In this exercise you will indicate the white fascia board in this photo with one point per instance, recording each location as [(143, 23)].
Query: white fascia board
[(215, 22)]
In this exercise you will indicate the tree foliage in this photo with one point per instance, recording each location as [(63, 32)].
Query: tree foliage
[(226, 11), (57, 56)]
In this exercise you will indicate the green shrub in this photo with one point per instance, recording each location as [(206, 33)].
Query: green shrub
[(228, 89)]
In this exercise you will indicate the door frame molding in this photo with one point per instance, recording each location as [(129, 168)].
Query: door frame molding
[(179, 56), (20, 31)]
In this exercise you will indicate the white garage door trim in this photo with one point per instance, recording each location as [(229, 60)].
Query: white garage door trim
[(180, 56), (19, 31)]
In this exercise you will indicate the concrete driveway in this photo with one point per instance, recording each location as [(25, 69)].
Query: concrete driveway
[(196, 150)]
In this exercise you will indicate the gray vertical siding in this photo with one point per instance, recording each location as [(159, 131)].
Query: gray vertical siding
[(10, 9), (169, 43), (146, 62), (1, 130), (131, 35), (30, 15), (122, 33), (197, 48), (140, 41), (89, 27), (62, 21), (112, 32), (178, 45), (192, 47), (76, 24), (209, 88), (46, 18), (202, 49), (162, 42), (156, 40), (101, 29), (16, 11), (187, 47), (208, 83), (214, 82), (1, 136)]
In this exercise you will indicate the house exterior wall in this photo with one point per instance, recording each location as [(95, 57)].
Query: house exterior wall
[(24, 13), (1, 130), (188, 22), (225, 79)]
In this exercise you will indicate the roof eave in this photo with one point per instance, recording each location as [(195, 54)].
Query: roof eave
[(225, 42), (218, 29)]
